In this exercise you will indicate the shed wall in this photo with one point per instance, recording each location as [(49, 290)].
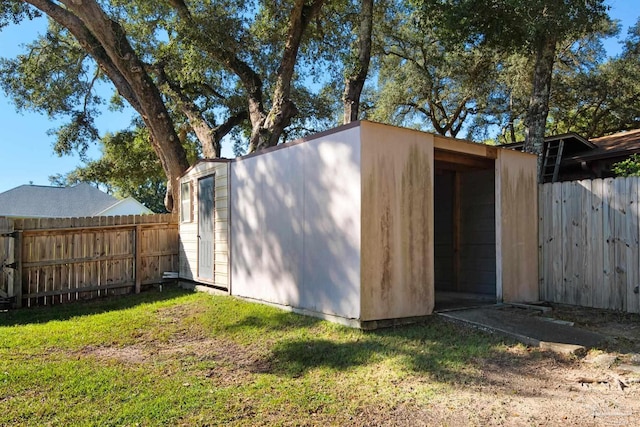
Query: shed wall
[(296, 225), (445, 280), (477, 232), (397, 222), (189, 230), (517, 226)]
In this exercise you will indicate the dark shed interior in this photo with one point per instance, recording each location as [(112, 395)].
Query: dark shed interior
[(464, 232)]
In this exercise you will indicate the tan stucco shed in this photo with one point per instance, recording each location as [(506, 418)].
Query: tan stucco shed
[(366, 224)]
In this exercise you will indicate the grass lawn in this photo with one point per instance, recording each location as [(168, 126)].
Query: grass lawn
[(182, 358)]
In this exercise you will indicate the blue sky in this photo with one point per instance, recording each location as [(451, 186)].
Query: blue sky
[(26, 150)]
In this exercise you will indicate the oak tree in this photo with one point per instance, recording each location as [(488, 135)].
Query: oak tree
[(211, 67)]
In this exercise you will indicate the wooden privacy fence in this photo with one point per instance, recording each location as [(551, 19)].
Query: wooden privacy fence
[(49, 261), (588, 239)]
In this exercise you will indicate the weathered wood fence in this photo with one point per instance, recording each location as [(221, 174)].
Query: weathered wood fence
[(589, 234), (50, 261), (6, 258)]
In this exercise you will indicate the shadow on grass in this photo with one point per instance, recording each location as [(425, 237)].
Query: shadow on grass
[(294, 358), (436, 348), (24, 316), (444, 352), (271, 320)]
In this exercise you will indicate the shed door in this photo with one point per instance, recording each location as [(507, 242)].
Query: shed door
[(205, 227)]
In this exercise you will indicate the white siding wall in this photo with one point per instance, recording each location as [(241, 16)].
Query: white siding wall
[(295, 225), (189, 230), (128, 206)]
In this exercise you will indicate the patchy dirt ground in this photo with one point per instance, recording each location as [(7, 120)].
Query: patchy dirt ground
[(547, 391), (520, 388), (621, 329)]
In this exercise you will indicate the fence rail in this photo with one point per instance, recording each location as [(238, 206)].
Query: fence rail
[(58, 260), (589, 233)]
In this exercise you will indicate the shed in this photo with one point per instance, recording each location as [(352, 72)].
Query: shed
[(366, 224), (204, 223)]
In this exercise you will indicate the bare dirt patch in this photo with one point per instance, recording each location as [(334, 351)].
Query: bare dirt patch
[(227, 362), (621, 329), (545, 391), (600, 389)]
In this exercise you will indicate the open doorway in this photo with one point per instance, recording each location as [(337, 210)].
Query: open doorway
[(464, 233)]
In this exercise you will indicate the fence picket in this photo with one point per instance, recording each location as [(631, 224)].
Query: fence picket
[(544, 238), (596, 247), (7, 256), (590, 243), (77, 258), (633, 255), (619, 294), (585, 280), (572, 206), (555, 251)]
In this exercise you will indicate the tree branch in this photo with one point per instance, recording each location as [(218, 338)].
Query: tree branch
[(267, 132), (90, 44), (113, 39)]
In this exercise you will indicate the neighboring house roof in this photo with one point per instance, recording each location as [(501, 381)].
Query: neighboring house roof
[(615, 145), (574, 143), (35, 201), (579, 158)]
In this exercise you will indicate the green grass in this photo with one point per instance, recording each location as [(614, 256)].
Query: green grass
[(179, 358)]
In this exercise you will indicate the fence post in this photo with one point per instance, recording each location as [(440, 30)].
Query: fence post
[(137, 247), (17, 273)]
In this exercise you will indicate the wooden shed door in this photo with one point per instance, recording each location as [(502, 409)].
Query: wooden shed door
[(205, 227)]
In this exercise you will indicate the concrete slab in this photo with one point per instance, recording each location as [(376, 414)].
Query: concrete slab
[(528, 328), (633, 369), (192, 286), (604, 360)]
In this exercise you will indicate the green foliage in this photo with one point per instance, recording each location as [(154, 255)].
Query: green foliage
[(451, 66), (425, 81), (519, 31), (128, 167), (14, 11), (58, 78), (599, 98), (515, 26), (212, 65), (463, 64), (628, 167)]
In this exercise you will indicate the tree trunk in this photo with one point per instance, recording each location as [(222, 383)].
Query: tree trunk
[(357, 76), (512, 128), (538, 109), (106, 41), (267, 129)]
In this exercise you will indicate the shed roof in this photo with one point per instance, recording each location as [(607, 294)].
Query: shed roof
[(32, 201)]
